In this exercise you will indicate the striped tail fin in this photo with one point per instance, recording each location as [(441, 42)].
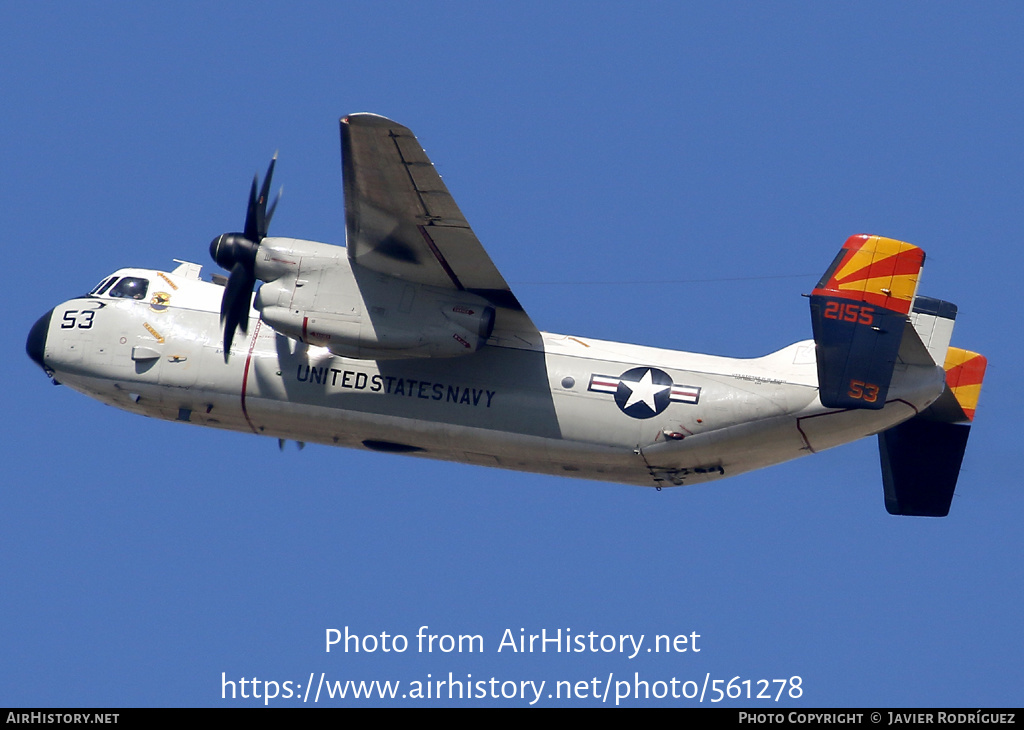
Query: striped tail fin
[(859, 310), (965, 371)]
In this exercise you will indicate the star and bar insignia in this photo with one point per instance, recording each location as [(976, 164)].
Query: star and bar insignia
[(644, 392)]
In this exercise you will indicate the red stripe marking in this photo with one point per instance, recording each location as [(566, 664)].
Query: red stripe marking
[(882, 301), (441, 259), (857, 241), (969, 372), (245, 375), (904, 263)]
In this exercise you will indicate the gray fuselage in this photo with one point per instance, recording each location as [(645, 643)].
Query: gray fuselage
[(569, 406)]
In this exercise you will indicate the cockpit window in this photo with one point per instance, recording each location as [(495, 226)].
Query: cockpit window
[(103, 286), (131, 287)]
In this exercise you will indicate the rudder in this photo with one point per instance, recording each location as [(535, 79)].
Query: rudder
[(920, 466), (921, 457), (859, 310)]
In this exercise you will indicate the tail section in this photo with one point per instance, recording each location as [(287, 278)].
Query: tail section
[(933, 321), (920, 466), (965, 371), (921, 457), (859, 311)]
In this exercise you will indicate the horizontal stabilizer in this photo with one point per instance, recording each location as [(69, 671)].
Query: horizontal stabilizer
[(859, 311), (920, 465)]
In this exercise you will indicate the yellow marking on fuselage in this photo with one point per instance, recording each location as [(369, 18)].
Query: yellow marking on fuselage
[(157, 335)]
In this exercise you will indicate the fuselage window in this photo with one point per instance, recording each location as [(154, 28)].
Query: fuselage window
[(131, 287)]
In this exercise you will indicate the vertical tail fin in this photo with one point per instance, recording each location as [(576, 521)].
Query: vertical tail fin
[(933, 320), (921, 457), (920, 466), (859, 310), (965, 371)]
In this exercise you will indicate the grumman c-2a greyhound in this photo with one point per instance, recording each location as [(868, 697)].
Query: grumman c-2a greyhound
[(408, 340)]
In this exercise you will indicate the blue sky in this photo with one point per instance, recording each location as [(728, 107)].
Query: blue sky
[(669, 174)]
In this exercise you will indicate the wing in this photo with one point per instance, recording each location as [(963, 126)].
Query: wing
[(401, 220)]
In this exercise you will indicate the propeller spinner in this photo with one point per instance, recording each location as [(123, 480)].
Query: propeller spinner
[(236, 252)]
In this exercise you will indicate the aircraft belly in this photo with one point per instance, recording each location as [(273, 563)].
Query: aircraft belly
[(726, 452), (494, 407), (195, 406), (522, 409), (444, 441)]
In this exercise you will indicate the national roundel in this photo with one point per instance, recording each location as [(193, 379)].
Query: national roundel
[(643, 392)]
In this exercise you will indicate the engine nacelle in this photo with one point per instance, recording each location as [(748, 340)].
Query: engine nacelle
[(314, 294), (451, 331)]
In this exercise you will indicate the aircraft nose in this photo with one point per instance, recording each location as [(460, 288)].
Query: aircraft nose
[(36, 344)]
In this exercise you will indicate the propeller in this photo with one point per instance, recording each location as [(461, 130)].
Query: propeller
[(236, 252)]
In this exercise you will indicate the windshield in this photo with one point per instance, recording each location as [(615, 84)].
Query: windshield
[(102, 286), (130, 287)]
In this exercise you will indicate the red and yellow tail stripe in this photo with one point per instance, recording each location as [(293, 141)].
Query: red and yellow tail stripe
[(964, 372), (880, 271)]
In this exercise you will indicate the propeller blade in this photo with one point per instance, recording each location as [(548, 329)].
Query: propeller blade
[(250, 230), (237, 252), (273, 206), (262, 222), (234, 306)]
